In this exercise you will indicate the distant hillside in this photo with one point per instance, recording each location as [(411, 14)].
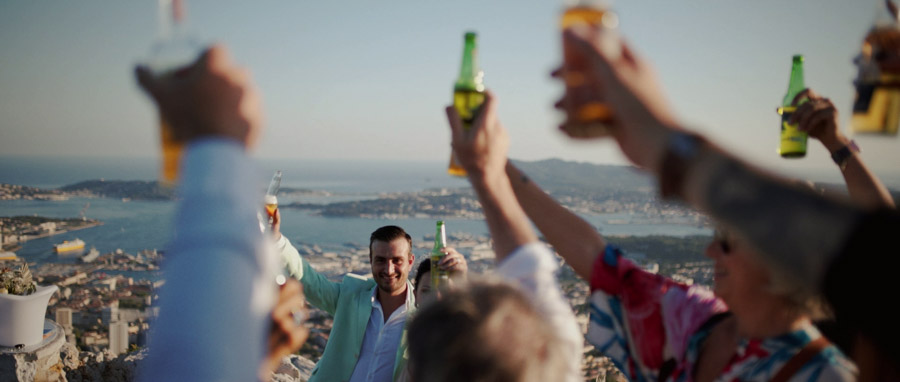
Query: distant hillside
[(134, 189), (559, 175)]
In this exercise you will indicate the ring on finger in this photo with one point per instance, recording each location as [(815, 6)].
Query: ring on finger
[(299, 316)]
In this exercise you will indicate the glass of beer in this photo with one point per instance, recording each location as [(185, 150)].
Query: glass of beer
[(173, 50), (591, 119), (271, 205), (271, 198)]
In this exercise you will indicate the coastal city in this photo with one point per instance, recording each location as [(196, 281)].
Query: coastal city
[(105, 312)]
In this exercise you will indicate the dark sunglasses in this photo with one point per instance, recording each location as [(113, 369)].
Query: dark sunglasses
[(721, 237)]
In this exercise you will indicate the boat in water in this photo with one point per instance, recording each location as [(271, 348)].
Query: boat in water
[(69, 246), (92, 255)]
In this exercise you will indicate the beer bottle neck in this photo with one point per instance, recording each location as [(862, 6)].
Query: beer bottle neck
[(796, 84), (470, 75), (440, 238)]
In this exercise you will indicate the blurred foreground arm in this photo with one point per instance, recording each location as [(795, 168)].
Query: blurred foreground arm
[(819, 118), (219, 292), (797, 230)]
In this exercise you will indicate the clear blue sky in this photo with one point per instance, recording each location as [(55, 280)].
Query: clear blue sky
[(368, 80)]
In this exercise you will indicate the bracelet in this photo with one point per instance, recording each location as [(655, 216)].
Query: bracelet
[(681, 150), (843, 154)]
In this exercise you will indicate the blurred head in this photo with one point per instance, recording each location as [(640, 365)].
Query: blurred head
[(390, 252), (485, 331), (745, 283), (422, 282)]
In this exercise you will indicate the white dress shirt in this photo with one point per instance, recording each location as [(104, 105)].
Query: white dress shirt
[(219, 272), (380, 343), (533, 267)]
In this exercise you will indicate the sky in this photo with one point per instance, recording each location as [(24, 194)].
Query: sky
[(364, 80)]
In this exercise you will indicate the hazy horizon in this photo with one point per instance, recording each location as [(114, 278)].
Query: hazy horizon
[(362, 81)]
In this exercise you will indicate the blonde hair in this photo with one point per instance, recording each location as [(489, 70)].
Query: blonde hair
[(486, 331)]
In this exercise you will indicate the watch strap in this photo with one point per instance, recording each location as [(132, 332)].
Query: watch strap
[(843, 154)]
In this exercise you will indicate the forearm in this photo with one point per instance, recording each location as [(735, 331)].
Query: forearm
[(506, 220), (216, 262), (863, 186), (794, 229), (572, 237)]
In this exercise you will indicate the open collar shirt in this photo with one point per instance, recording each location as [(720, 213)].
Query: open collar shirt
[(379, 346)]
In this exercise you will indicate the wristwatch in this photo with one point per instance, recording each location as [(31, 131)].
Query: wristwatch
[(843, 154)]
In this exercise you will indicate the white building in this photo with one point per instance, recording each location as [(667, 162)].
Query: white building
[(110, 313), (64, 318), (118, 338)]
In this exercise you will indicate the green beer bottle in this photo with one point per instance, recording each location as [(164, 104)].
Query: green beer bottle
[(439, 277), (468, 93), (793, 141)]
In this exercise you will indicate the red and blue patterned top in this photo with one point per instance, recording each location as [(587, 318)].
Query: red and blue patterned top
[(648, 324)]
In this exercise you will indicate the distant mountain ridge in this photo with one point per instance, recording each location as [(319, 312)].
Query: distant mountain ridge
[(556, 175)]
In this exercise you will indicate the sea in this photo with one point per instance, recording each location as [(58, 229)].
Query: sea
[(135, 225)]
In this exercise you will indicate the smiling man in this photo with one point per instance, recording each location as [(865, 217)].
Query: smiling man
[(369, 313)]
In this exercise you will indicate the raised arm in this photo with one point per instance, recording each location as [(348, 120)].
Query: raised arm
[(819, 118), (574, 239), (319, 290), (523, 260), (482, 152), (797, 230), (220, 287)]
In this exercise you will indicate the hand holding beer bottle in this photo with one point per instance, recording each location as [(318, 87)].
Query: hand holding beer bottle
[(468, 93), (211, 98), (447, 265), (793, 141)]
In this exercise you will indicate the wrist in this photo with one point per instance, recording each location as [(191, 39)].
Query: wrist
[(842, 155), (835, 142)]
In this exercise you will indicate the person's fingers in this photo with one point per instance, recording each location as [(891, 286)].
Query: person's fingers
[(801, 111), (805, 93), (486, 113), (214, 59), (584, 41), (290, 289), (298, 337), (815, 107), (456, 124), (821, 118), (146, 80)]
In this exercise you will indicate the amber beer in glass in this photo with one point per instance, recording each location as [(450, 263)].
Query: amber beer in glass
[(876, 109), (271, 198), (593, 119), (468, 92), (173, 50)]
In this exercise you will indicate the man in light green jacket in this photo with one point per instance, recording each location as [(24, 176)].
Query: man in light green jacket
[(369, 312)]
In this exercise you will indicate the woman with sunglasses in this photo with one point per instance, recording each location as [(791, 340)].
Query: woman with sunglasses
[(756, 324)]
